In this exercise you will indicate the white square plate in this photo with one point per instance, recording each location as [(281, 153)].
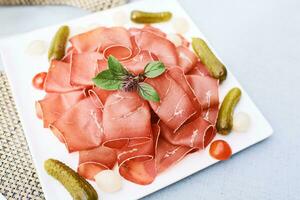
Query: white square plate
[(20, 69)]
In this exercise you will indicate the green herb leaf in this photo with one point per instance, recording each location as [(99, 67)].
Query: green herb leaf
[(116, 67), (106, 80), (148, 92), (154, 69)]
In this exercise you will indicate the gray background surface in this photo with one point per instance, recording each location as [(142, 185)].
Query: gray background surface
[(259, 40)]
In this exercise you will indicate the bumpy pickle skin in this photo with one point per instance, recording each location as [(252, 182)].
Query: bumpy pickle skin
[(77, 186), (207, 57), (142, 17), (225, 117), (58, 44)]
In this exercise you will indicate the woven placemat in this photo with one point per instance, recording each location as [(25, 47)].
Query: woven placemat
[(91, 5), (18, 178)]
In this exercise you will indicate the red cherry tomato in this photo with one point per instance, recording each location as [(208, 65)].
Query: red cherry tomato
[(220, 150), (39, 80)]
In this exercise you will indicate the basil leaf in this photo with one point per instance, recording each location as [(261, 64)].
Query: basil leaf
[(116, 67), (148, 92), (106, 80), (154, 69)]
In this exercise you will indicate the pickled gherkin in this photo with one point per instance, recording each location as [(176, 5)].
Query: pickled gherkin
[(225, 116), (58, 44), (77, 186), (142, 17), (207, 57)]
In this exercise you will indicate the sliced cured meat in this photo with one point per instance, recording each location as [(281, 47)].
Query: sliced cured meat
[(84, 67), (89, 41), (54, 105), (177, 75), (185, 42), (137, 64), (126, 117), (119, 52), (152, 29), (58, 78), (80, 127), (189, 135), (175, 106), (169, 154), (99, 96), (206, 90), (93, 161), (160, 46), (186, 58), (141, 167), (199, 69), (100, 39), (146, 28)]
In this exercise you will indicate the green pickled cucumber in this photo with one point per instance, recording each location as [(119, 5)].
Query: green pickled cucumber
[(225, 117), (142, 17), (207, 57), (58, 44), (77, 186)]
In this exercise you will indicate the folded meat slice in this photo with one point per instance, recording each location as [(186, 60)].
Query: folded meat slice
[(146, 28), (160, 46), (99, 96), (80, 127), (137, 164), (93, 161), (186, 58), (172, 147), (199, 69), (206, 90), (126, 117), (192, 134), (175, 106), (84, 67), (58, 78), (169, 154), (100, 39), (137, 64), (179, 77), (54, 105)]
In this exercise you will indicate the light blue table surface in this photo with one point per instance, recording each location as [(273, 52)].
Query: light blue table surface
[(260, 42)]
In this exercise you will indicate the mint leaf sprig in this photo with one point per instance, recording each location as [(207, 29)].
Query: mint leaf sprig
[(116, 77)]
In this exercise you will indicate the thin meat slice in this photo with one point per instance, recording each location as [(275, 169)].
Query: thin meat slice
[(178, 75), (186, 58), (118, 51), (154, 30), (84, 67), (99, 96), (140, 168), (80, 127), (169, 154), (206, 90), (160, 46), (175, 106), (146, 28), (88, 41), (126, 117), (189, 135), (58, 78), (54, 105), (199, 69), (93, 161), (137, 64), (184, 41), (100, 39)]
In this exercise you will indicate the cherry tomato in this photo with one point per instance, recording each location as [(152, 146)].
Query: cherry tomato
[(39, 80), (220, 150)]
